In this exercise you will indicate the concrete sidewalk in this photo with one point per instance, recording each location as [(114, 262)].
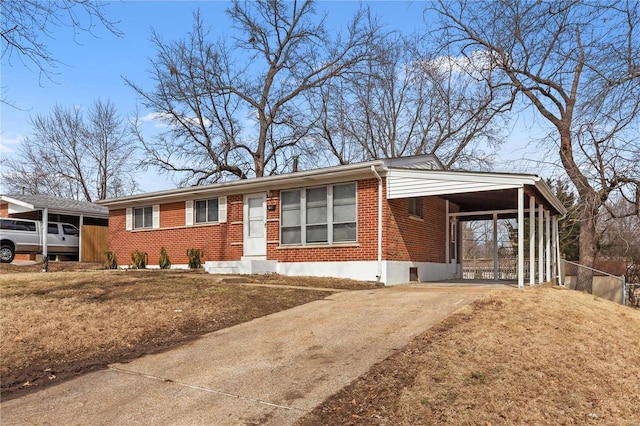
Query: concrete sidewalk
[(271, 370)]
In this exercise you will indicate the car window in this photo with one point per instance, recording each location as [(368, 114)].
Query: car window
[(53, 228), (17, 225), (70, 230)]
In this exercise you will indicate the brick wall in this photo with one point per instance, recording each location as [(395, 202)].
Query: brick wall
[(218, 242), (364, 249), (172, 214), (404, 238), (414, 239)]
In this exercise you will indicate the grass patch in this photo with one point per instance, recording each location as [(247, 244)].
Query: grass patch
[(57, 325), (539, 356)]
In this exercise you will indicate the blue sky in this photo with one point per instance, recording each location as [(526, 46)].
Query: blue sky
[(94, 67)]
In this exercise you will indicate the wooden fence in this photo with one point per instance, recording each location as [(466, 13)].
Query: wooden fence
[(95, 241)]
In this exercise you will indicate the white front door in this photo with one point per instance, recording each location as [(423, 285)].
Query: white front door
[(255, 225)]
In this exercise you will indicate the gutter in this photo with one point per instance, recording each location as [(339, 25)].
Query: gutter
[(290, 180), (375, 172)]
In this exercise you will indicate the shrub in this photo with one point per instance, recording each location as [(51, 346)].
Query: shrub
[(194, 258), (111, 261), (164, 262), (138, 260)]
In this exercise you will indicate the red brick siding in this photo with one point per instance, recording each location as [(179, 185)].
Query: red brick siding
[(417, 240), (172, 214), (4, 210), (216, 241), (403, 238)]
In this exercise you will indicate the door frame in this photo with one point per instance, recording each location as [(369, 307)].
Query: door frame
[(258, 248)]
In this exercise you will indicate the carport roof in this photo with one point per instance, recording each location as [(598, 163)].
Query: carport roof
[(56, 205), (472, 191)]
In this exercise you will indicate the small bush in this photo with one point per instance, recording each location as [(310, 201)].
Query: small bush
[(111, 261), (194, 256), (164, 262), (138, 260)]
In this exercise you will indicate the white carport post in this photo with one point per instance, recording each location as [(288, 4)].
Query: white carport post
[(556, 238), (496, 263), (547, 254), (540, 243), (532, 240), (521, 237), (45, 243)]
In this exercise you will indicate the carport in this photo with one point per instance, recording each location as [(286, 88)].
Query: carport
[(492, 196), (91, 219)]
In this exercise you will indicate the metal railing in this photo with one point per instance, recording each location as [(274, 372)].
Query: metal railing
[(483, 269), (623, 282)]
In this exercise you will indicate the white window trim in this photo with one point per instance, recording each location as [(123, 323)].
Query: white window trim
[(155, 218), (206, 201), (129, 219), (303, 217), (190, 211)]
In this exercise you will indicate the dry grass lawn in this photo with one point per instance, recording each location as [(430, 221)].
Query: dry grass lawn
[(542, 356), (539, 356), (57, 325)]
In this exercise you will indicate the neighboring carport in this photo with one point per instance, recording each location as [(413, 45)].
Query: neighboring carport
[(493, 196), (91, 219)]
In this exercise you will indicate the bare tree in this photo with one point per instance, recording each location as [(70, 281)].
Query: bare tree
[(578, 65), (410, 99), (235, 107), (621, 237), (25, 23), (70, 155)]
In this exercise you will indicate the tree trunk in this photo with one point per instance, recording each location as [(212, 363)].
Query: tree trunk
[(589, 204), (588, 240)]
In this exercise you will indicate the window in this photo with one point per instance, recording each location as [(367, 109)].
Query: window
[(290, 217), (453, 238), (324, 214), (207, 210), (143, 217), (52, 228), (344, 212), (316, 223), (415, 207), (17, 225), (70, 230)]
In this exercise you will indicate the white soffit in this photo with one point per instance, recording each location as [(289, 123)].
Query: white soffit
[(420, 183)]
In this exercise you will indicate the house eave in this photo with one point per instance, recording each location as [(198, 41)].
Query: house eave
[(276, 182)]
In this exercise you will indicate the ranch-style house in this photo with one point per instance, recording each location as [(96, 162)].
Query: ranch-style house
[(391, 221)]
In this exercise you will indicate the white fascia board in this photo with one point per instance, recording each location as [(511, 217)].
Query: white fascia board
[(403, 183), (547, 193), (417, 183), (462, 176), (323, 176), (19, 206)]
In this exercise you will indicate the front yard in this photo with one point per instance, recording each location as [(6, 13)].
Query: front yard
[(61, 324)]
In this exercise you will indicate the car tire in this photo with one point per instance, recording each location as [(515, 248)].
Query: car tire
[(7, 253)]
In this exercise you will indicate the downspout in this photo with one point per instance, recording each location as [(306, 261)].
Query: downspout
[(45, 240), (375, 172)]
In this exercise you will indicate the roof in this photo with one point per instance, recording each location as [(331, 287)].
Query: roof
[(478, 190), (319, 176), (414, 176), (57, 205)]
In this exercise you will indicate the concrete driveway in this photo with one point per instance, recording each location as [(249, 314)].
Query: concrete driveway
[(271, 370)]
